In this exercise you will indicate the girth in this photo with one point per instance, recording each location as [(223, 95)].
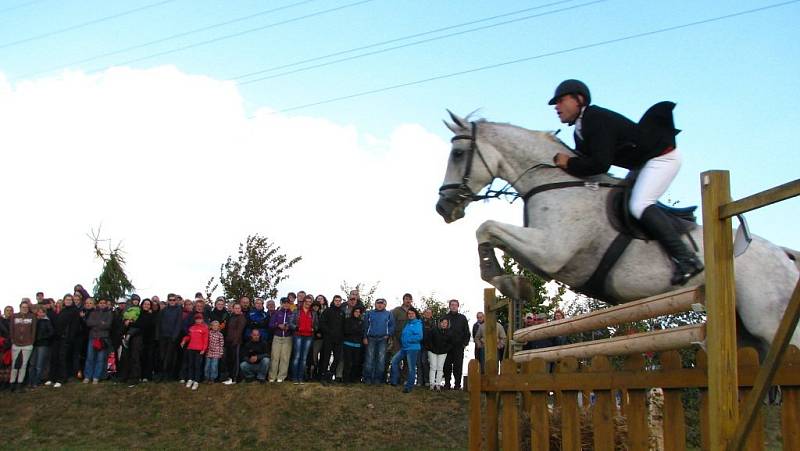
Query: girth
[(596, 285)]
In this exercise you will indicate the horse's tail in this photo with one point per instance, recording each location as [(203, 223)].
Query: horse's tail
[(793, 256)]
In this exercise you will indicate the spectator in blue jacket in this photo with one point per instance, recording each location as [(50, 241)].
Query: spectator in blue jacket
[(410, 345), (258, 319), (378, 327)]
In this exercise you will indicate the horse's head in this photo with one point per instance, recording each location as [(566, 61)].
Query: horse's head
[(470, 167)]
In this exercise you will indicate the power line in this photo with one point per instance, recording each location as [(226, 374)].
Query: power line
[(84, 24), (167, 38), (410, 44), (241, 33), (539, 56)]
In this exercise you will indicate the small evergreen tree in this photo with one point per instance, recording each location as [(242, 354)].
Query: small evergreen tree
[(256, 272), (112, 283)]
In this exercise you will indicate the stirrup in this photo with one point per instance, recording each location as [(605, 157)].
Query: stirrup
[(685, 271)]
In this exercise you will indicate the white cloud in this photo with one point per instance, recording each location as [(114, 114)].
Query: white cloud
[(170, 164)]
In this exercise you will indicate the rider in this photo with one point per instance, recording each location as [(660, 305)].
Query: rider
[(604, 137)]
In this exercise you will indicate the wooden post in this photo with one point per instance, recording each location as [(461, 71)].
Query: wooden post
[(603, 410), (540, 414), (490, 366), (754, 439), (510, 411), (673, 416), (636, 411), (790, 407), (474, 388), (570, 417), (721, 307)]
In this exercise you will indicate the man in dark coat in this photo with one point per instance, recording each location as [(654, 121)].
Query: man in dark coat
[(604, 138)]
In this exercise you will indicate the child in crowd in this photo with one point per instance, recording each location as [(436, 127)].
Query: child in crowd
[(41, 346), (196, 344), (129, 316), (216, 344), (438, 344)]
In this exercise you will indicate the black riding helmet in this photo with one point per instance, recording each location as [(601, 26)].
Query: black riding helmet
[(571, 86)]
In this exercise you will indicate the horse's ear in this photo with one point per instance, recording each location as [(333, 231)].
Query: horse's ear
[(453, 127), (459, 121)]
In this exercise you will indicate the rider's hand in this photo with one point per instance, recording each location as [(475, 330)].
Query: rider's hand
[(561, 160)]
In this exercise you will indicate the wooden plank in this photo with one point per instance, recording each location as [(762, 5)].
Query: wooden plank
[(674, 418), (603, 410), (721, 310), (790, 406), (765, 376), (570, 418), (510, 428), (701, 363), (655, 341), (490, 366), (663, 304), (754, 439), (539, 413), (762, 199), (787, 375), (497, 305), (474, 388), (636, 409)]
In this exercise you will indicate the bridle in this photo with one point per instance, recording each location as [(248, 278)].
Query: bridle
[(465, 192)]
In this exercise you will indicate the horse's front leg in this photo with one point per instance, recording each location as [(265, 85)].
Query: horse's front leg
[(540, 251)]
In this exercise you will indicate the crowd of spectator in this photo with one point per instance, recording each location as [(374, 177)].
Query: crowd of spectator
[(302, 338)]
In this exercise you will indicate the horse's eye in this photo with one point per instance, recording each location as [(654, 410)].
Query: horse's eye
[(458, 153)]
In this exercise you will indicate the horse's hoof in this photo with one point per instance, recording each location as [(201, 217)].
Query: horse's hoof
[(490, 268), (513, 287)]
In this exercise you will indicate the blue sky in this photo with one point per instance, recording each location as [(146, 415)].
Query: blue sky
[(734, 80)]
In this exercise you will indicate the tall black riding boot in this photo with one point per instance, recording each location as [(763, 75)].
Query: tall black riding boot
[(660, 226)]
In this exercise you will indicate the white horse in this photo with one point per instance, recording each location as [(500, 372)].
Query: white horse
[(568, 230)]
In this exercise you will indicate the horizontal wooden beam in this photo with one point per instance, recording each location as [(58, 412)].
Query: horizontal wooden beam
[(786, 376), (662, 304), (660, 340), (498, 304), (762, 199)]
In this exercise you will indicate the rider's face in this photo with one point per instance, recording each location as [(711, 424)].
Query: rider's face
[(568, 108)]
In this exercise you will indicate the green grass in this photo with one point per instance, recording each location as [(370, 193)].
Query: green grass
[(272, 416)]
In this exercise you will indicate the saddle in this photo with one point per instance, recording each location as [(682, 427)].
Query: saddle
[(629, 229)]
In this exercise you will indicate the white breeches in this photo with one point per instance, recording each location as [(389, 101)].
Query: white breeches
[(653, 180)]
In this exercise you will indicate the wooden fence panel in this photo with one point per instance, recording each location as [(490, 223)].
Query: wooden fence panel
[(539, 413), (570, 418), (474, 388), (603, 410), (755, 437), (790, 406), (673, 416), (636, 409), (510, 411)]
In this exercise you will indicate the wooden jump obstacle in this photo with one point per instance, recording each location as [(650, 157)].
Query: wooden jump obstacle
[(721, 425)]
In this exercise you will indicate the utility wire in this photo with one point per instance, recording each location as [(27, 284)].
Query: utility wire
[(410, 44), (84, 24), (539, 56), (166, 38), (241, 33)]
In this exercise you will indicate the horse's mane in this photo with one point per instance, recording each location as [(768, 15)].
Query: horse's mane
[(550, 136)]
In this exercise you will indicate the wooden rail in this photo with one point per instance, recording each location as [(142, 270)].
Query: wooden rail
[(663, 304), (655, 341), (762, 199)]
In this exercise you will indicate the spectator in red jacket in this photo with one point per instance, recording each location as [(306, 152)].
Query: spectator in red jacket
[(197, 340)]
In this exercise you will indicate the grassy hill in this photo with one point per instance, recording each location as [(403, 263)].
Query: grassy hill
[(272, 416)]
